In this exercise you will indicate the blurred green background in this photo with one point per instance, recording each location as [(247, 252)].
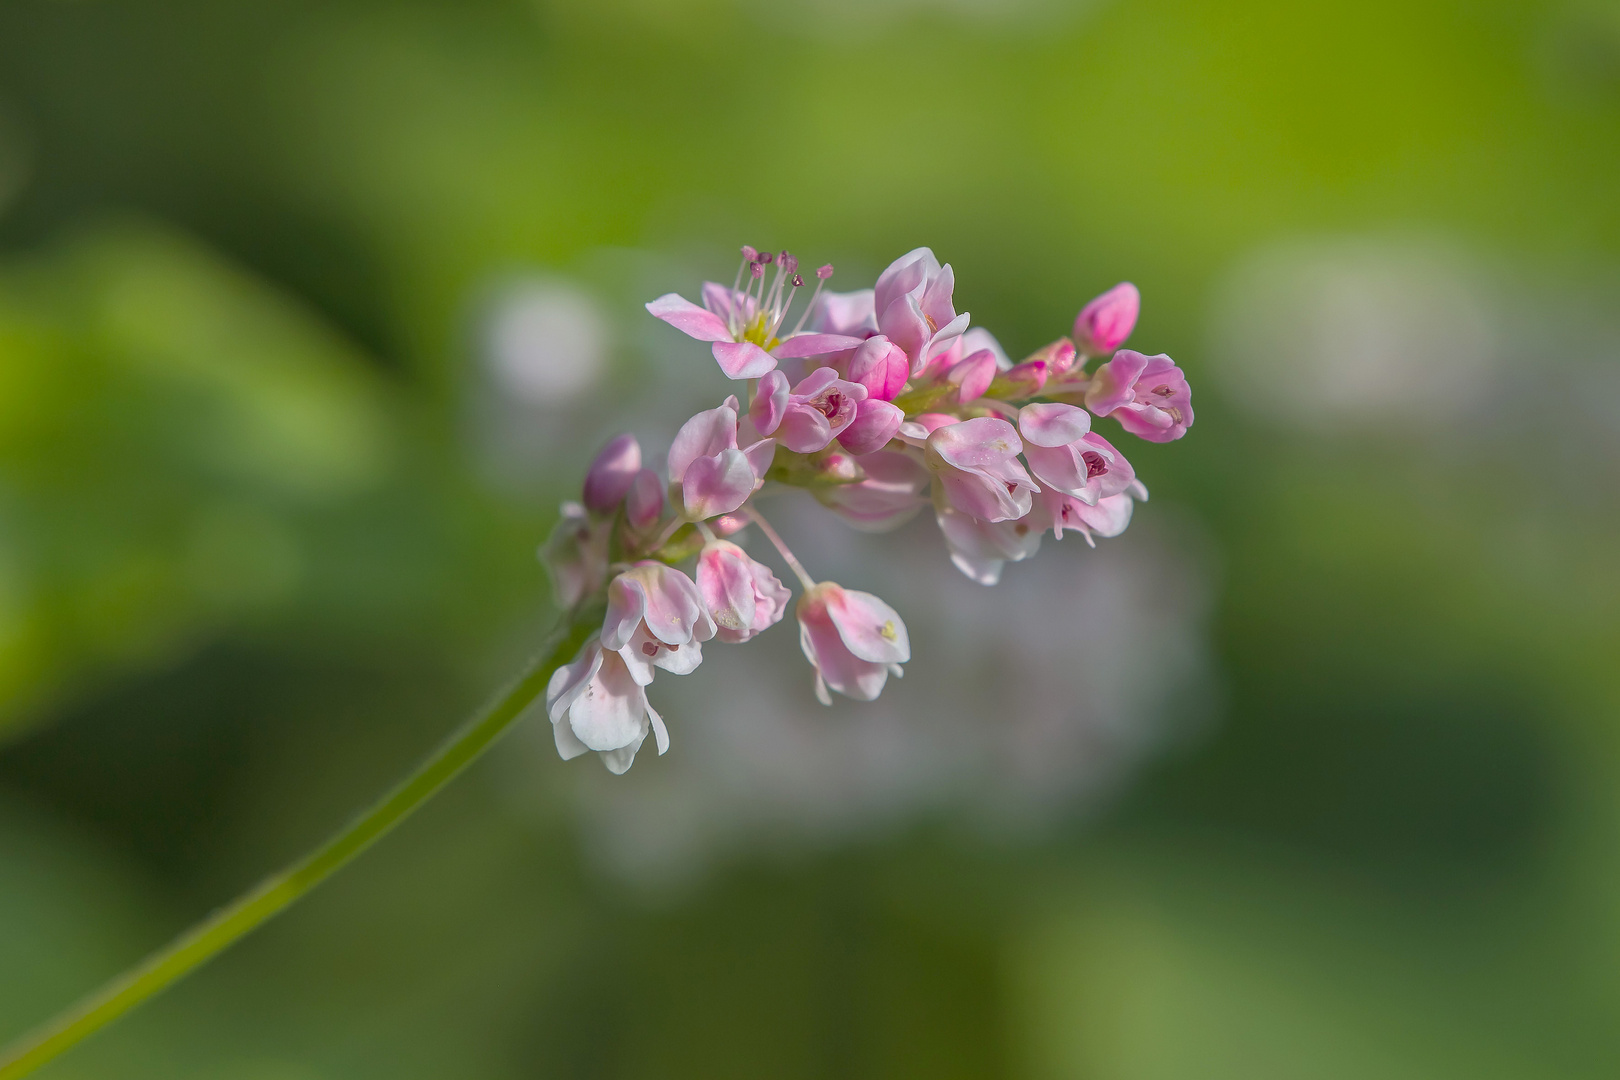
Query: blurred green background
[(276, 450)]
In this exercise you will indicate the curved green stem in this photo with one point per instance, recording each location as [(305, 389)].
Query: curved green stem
[(221, 929)]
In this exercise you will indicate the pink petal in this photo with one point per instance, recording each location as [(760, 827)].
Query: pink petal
[(613, 713), (716, 485), (875, 423), (1113, 384), (760, 455), (903, 276), (871, 629), (814, 345), (742, 359), (936, 300), (570, 680), (704, 435), (804, 429), (1052, 424), (690, 319), (973, 374), (627, 606), (972, 444), (770, 398)]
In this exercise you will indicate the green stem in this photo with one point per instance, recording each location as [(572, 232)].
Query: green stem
[(221, 929)]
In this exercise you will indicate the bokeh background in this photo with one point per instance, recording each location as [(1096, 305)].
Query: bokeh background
[(311, 314)]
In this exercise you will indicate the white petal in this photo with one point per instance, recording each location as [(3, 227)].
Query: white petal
[(660, 732)]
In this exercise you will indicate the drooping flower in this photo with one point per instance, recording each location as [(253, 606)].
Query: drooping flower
[(1103, 325), (980, 548), (1065, 454), (914, 306), (976, 464), (1107, 519), (595, 703), (889, 494), (741, 594), (656, 618), (1148, 395), (608, 479), (745, 322), (575, 555), (716, 477), (810, 415), (854, 640)]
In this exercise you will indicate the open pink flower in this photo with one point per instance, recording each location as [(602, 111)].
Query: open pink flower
[(980, 548), (1103, 325), (716, 477), (914, 307), (1148, 395), (976, 464), (889, 494), (656, 618), (1065, 454), (741, 595), (1057, 511), (854, 640), (745, 321), (595, 704), (812, 414)]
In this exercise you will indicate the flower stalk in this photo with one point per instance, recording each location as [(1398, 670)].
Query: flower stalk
[(270, 897)]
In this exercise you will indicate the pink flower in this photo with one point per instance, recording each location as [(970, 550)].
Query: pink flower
[(809, 416), (888, 496), (716, 477), (912, 299), (980, 548), (1065, 454), (875, 423), (854, 640), (881, 366), (575, 555), (745, 323), (973, 374), (596, 704), (741, 595), (1148, 395), (1103, 325), (1107, 519), (976, 464), (656, 618), (609, 478)]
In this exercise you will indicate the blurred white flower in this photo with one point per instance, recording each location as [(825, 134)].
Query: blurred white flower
[(545, 342)]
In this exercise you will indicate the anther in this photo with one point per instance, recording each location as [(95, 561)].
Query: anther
[(797, 281), (824, 273), (749, 253), (756, 271), (765, 258), (789, 263)]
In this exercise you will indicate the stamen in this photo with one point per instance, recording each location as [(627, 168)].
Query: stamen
[(766, 257), (757, 271), (789, 263), (749, 253), (824, 273), (798, 282), (821, 275)]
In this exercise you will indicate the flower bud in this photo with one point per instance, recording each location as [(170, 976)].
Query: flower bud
[(1103, 325), (611, 474)]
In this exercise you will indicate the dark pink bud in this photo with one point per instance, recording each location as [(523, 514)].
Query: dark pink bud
[(1060, 357), (1028, 378), (612, 473), (1103, 325), (824, 272)]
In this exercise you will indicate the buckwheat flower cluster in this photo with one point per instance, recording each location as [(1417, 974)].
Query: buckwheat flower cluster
[(879, 402)]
